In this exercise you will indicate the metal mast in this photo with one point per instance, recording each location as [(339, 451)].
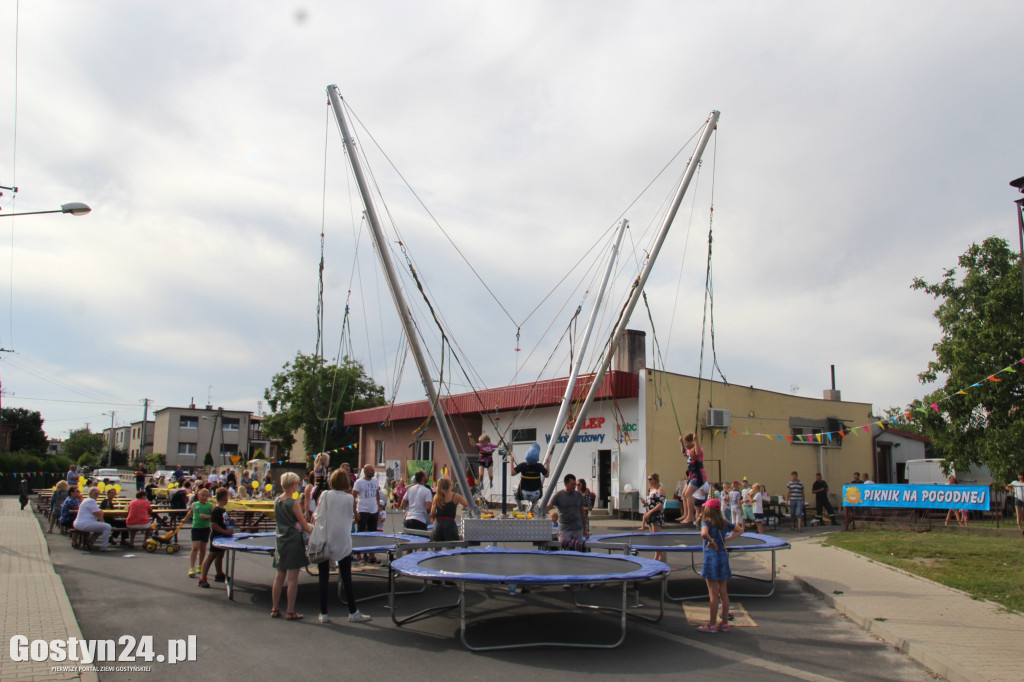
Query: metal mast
[(563, 410), (638, 287), (408, 324)]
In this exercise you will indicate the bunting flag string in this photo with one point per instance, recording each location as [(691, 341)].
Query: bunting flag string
[(832, 436)]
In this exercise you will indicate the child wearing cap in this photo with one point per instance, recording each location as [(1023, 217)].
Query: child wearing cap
[(716, 571)]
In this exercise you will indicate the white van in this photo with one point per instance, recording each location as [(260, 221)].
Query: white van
[(926, 471)]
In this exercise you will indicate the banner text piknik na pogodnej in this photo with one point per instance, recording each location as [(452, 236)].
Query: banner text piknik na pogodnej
[(917, 496)]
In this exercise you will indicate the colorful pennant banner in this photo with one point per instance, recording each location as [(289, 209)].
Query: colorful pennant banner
[(833, 436)]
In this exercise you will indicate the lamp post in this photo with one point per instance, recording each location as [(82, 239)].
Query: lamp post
[(110, 444), (1019, 185), (74, 208)]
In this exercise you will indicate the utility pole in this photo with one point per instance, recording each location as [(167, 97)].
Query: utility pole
[(145, 417), (110, 445)]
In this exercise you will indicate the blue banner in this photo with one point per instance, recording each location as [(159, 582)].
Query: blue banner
[(917, 496)]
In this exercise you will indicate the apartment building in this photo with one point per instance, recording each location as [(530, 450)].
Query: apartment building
[(136, 448), (186, 434)]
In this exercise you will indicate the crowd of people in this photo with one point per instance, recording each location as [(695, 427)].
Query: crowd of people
[(332, 504)]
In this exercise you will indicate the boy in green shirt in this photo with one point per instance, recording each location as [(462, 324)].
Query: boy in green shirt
[(202, 512)]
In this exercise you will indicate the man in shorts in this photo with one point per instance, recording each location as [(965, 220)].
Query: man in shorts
[(795, 501)]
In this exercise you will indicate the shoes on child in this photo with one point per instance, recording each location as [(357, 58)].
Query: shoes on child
[(358, 617)]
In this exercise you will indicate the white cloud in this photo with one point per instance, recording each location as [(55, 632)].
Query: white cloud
[(859, 146)]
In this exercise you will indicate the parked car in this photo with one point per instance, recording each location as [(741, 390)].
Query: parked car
[(112, 476)]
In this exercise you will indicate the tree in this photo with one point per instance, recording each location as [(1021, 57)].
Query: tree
[(85, 442), (909, 423), (155, 460), (27, 431), (976, 418), (312, 394)]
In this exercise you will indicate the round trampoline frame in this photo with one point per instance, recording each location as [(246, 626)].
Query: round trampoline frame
[(755, 542), (639, 569), (362, 543)]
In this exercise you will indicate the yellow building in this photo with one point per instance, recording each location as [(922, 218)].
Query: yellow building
[(751, 432), (633, 429)]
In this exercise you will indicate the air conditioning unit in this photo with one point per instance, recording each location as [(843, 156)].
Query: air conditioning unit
[(717, 419)]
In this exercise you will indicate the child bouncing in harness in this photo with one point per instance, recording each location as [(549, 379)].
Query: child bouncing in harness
[(530, 472), (485, 449)]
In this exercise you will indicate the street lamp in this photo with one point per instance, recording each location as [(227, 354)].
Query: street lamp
[(74, 208), (1019, 185)]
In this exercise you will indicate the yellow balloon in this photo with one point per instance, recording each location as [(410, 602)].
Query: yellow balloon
[(101, 485), (295, 495), (255, 485), (117, 487), (269, 487)]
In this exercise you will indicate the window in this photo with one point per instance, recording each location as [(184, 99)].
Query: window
[(829, 429), (228, 449), (378, 449), (188, 422), (424, 450), (800, 434), (229, 423), (524, 435), (187, 449)]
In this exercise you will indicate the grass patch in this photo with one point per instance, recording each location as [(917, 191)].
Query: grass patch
[(985, 567)]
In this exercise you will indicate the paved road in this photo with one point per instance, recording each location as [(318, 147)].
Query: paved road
[(796, 636)]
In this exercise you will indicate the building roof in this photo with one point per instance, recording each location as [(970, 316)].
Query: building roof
[(536, 394), (197, 409), (904, 434)]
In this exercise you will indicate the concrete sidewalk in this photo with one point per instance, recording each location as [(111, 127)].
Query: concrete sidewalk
[(32, 597), (945, 630)]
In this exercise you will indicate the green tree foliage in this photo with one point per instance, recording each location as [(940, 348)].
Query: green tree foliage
[(155, 461), (88, 460), (85, 442), (28, 434), (912, 424), (313, 394), (118, 457), (982, 319), (41, 472)]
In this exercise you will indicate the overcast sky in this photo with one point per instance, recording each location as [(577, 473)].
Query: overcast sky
[(860, 145)]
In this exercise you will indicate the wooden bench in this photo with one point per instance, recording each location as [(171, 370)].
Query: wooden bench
[(251, 522), (81, 539)]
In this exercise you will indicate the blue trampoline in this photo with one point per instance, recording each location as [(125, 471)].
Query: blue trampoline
[(264, 543), (527, 567), (633, 543)]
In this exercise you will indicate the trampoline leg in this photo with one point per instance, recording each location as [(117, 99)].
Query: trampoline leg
[(425, 613), (230, 580), (625, 587), (770, 582)]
